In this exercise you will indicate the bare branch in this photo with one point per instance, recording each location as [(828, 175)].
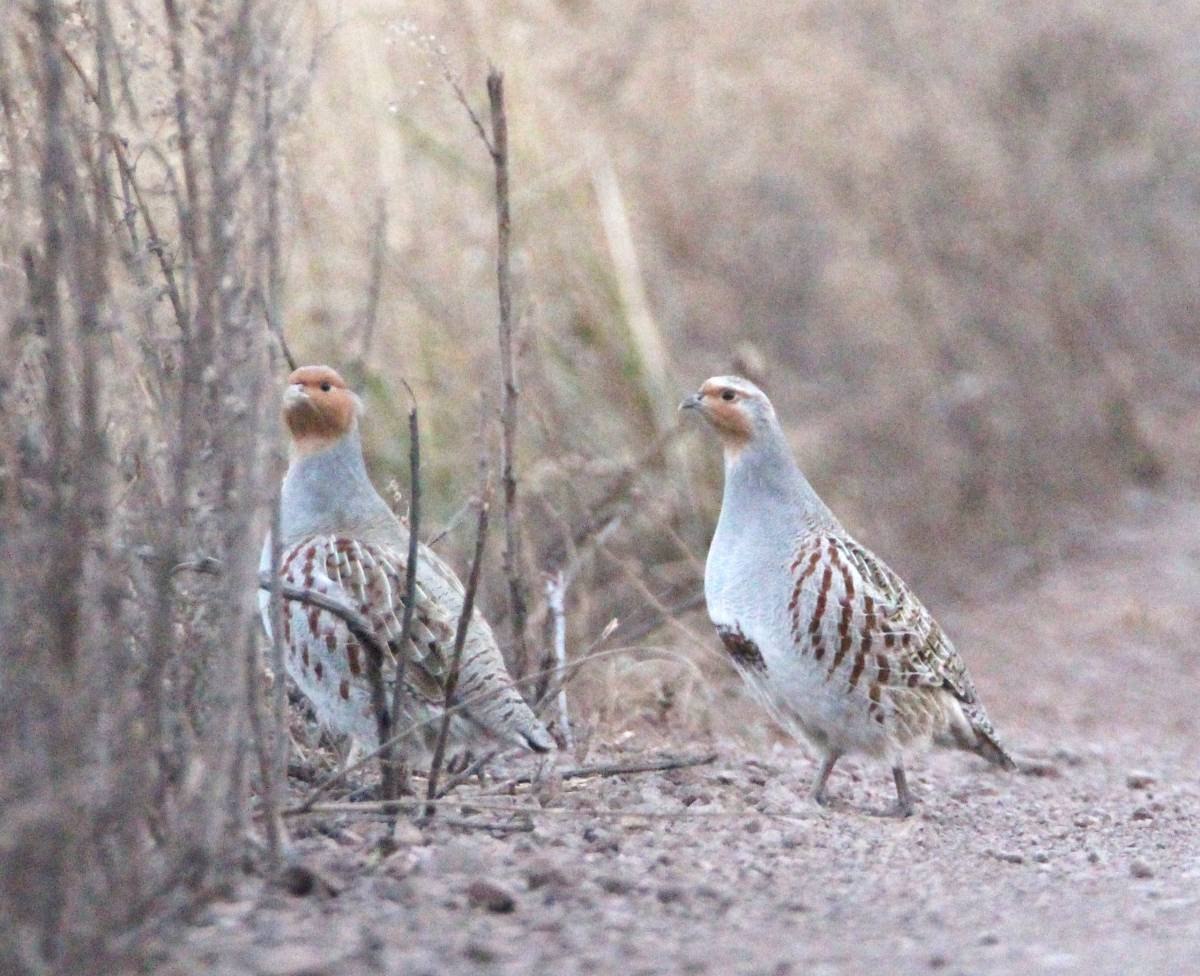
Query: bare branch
[(268, 772), (357, 623), (460, 637), (474, 769), (556, 595), (452, 80), (275, 328), (508, 411), (279, 691), (129, 180), (626, 769), (410, 571)]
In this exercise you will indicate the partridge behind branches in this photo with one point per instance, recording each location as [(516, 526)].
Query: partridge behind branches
[(340, 538), (830, 639)]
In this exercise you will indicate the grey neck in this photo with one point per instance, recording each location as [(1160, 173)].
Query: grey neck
[(330, 492), (764, 485)]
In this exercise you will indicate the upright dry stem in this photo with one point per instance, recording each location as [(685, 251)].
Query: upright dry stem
[(556, 595), (410, 574), (460, 637), (508, 410)]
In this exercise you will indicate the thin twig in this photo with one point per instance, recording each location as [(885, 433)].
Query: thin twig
[(190, 198), (358, 624), (627, 769), (472, 770), (508, 411), (556, 596), (274, 289), (267, 771), (276, 330), (377, 806), (155, 242), (452, 81), (410, 572), (637, 632), (460, 637), (520, 825), (377, 653), (616, 494), (279, 691), (451, 524)]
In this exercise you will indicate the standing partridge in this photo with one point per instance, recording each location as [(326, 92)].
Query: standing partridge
[(827, 636), (340, 538)]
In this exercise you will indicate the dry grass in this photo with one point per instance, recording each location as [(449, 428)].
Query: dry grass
[(137, 470), (957, 244)]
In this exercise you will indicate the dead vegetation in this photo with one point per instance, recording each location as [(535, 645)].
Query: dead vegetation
[(957, 245)]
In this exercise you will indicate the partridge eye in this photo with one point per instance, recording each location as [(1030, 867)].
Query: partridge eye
[(728, 395), (326, 387)]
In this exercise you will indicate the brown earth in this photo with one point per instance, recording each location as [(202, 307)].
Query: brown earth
[(1087, 862)]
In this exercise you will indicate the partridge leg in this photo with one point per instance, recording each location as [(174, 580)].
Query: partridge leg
[(904, 799), (818, 788)]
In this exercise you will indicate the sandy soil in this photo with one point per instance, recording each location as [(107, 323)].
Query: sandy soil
[(1087, 862)]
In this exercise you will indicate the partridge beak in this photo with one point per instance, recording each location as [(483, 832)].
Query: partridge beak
[(691, 403), (293, 395)]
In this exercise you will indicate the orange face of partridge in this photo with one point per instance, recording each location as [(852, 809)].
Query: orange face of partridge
[(318, 408), (723, 406)]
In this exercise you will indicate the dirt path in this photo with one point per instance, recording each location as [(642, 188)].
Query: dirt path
[(1090, 866)]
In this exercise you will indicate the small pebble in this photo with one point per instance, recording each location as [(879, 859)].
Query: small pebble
[(543, 873), (668, 894), (301, 880), (492, 896), (479, 953), (614, 885), (1140, 869)]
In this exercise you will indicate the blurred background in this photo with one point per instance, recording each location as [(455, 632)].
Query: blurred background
[(957, 243)]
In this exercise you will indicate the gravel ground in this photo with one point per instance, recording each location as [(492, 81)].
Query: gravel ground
[(1086, 862)]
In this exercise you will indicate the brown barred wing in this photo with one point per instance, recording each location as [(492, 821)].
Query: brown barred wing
[(929, 653), (850, 619), (370, 579)]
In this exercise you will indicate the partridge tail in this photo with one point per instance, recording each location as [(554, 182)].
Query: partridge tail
[(513, 722), (975, 733), (988, 746), (490, 699)]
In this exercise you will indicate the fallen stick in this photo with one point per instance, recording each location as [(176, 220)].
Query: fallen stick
[(381, 807), (624, 769), (579, 772)]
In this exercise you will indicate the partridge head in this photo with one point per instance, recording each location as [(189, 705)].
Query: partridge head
[(735, 407), (318, 408)]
